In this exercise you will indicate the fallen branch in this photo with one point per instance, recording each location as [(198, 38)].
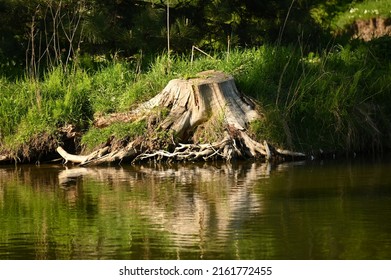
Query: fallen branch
[(3, 158), (70, 157)]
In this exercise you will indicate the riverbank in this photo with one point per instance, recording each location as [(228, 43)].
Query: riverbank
[(337, 101)]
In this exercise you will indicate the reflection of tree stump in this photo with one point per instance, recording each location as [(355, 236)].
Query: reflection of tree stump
[(208, 116)]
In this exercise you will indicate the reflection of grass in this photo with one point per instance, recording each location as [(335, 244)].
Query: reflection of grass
[(126, 213), (192, 211), (89, 221)]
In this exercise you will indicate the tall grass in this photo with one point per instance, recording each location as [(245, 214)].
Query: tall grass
[(31, 107), (338, 100), (335, 100)]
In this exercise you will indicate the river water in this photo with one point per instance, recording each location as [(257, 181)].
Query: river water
[(305, 210)]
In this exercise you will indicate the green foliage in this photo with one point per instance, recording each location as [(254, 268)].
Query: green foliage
[(56, 32), (148, 84), (323, 101), (31, 107), (270, 128), (367, 9), (64, 97), (10, 108), (120, 131), (109, 86), (324, 12)]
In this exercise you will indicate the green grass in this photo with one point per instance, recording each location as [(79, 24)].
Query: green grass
[(362, 11), (30, 107), (120, 131), (335, 100), (110, 84)]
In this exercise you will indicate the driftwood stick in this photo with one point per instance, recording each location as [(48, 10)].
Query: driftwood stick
[(290, 153), (3, 158), (70, 157)]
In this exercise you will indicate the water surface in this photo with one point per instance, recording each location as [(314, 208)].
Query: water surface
[(311, 210)]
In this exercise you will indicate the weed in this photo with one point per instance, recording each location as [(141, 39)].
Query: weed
[(121, 131)]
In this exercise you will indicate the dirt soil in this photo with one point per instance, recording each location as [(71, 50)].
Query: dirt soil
[(372, 28)]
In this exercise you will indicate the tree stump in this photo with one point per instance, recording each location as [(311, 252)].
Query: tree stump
[(207, 115)]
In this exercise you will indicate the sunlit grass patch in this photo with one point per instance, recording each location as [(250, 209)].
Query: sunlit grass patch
[(120, 131), (361, 11)]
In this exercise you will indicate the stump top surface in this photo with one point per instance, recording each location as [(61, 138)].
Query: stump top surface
[(209, 76)]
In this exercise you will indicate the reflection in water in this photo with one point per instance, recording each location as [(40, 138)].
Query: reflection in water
[(196, 211), (189, 202)]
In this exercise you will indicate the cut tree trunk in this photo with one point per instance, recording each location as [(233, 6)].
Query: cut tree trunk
[(207, 115)]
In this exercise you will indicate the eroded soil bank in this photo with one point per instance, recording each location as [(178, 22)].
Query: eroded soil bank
[(368, 29)]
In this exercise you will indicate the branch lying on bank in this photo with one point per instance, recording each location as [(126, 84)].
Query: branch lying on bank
[(70, 157), (3, 158), (100, 156)]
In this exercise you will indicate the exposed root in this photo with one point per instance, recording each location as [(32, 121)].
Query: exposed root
[(227, 149), (207, 107), (192, 152)]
